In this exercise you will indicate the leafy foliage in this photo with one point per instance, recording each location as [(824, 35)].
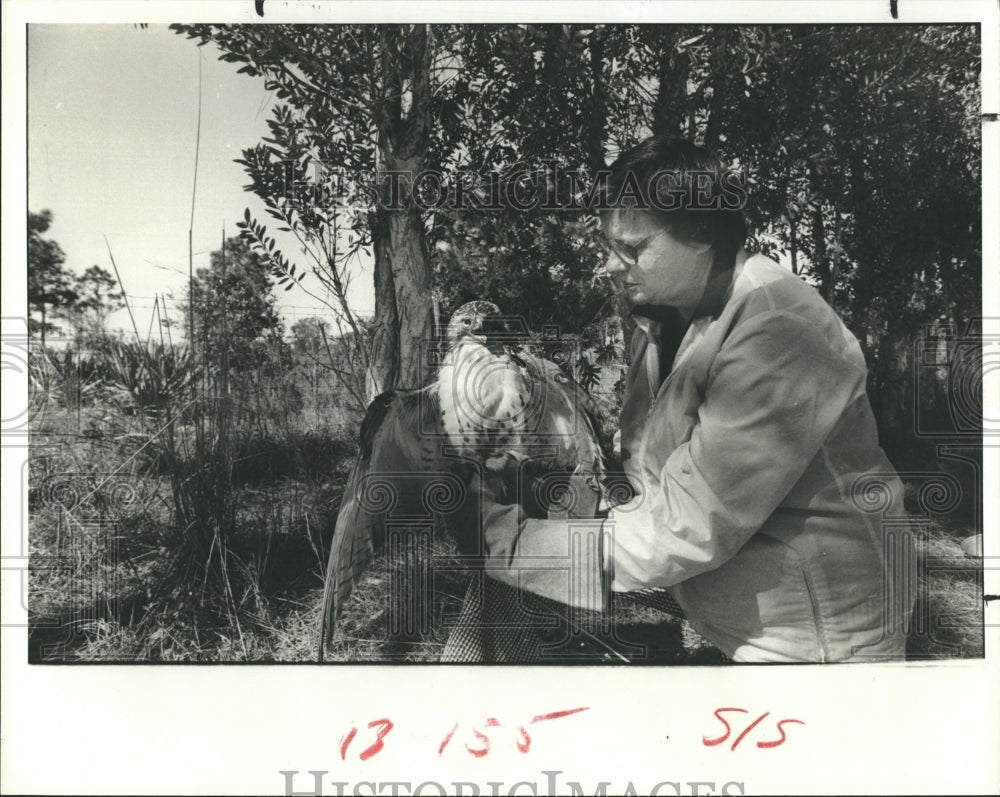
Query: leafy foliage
[(98, 295), (321, 132), (234, 309), (84, 300), (860, 146), (49, 284)]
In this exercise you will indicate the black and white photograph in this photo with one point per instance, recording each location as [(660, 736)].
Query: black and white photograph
[(504, 398)]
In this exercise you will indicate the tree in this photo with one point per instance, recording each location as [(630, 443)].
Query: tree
[(98, 295), (384, 103), (526, 117), (235, 312), (309, 336), (358, 98), (49, 284), (313, 351)]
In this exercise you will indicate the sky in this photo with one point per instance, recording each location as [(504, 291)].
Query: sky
[(112, 129)]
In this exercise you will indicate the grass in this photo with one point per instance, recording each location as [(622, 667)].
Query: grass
[(132, 558), (948, 616), (115, 574)]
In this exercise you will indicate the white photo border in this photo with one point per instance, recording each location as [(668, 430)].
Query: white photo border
[(876, 729)]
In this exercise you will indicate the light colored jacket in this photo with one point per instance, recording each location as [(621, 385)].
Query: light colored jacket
[(764, 499)]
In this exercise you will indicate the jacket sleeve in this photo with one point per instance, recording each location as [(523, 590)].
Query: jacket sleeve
[(558, 558), (561, 560), (775, 391)]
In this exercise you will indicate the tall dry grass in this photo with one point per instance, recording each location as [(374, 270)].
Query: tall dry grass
[(224, 536)]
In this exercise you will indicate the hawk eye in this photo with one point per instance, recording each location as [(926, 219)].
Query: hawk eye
[(466, 322)]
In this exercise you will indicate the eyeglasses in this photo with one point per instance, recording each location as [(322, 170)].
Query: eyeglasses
[(627, 253)]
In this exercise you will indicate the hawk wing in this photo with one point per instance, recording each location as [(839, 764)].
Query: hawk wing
[(397, 440), (562, 415)]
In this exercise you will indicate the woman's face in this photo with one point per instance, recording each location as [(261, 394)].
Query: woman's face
[(650, 266)]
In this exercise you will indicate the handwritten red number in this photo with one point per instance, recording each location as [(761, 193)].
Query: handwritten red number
[(346, 742), (378, 744), (374, 747), (746, 731), (554, 715), (711, 742), (479, 752), (524, 744), (781, 730), (447, 739), (482, 741), (749, 728)]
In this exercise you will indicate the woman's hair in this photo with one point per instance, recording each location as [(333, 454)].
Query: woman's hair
[(685, 187)]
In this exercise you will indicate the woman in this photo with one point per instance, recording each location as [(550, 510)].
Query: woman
[(746, 433)]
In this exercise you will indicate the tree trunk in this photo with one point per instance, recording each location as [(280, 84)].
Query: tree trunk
[(669, 114), (403, 305), (596, 121), (793, 243), (720, 80), (820, 260), (384, 372)]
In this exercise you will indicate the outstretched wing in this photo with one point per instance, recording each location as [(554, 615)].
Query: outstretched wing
[(398, 438)]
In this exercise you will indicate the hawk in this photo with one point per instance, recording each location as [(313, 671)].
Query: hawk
[(493, 408)]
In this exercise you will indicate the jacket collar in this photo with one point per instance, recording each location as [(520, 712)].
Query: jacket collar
[(652, 326)]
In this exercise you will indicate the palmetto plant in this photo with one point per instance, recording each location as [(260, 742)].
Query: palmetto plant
[(150, 377), (185, 412), (65, 377)]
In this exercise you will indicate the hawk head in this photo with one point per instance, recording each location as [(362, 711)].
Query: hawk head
[(480, 321)]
